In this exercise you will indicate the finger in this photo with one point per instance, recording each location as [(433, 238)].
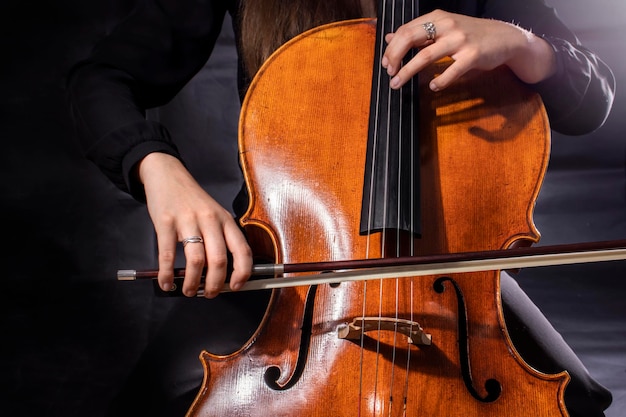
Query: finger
[(242, 255), (195, 261), (421, 60), (166, 244), (456, 70), (405, 38), (216, 261)]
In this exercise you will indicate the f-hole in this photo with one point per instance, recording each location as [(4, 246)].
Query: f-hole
[(272, 374), (492, 386)]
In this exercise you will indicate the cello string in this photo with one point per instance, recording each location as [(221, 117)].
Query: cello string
[(389, 25), (385, 137), (413, 167), (375, 138), (399, 137)]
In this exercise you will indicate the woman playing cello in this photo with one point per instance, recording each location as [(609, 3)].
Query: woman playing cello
[(157, 50)]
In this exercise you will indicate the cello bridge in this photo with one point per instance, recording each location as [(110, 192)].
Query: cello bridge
[(361, 325)]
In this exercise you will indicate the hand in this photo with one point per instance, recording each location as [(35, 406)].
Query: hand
[(180, 208), (472, 43)]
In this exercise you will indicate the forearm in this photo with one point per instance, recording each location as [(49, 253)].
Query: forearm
[(142, 64), (579, 94), (111, 126)]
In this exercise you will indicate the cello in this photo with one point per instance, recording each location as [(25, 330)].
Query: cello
[(327, 183)]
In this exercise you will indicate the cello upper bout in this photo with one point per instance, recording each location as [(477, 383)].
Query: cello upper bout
[(485, 148)]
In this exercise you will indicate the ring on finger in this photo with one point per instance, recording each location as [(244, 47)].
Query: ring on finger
[(431, 31), (192, 239)]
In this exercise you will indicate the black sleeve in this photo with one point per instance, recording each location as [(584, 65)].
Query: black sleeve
[(578, 98), (142, 64)]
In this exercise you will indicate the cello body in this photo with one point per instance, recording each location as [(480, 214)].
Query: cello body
[(356, 349)]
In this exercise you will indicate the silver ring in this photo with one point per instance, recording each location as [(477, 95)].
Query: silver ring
[(431, 31), (192, 239)]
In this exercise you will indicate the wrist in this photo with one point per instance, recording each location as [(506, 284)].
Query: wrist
[(153, 164), (533, 59)]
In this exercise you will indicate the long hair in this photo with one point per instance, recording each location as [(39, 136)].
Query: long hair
[(267, 24)]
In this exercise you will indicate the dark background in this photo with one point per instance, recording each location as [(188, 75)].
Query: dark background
[(70, 333)]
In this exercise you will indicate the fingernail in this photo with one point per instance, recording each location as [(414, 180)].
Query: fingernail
[(384, 62), (433, 86), (166, 287), (395, 82)]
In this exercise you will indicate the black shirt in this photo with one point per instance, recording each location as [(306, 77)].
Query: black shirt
[(152, 54)]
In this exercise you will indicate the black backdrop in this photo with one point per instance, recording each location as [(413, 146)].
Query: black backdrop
[(70, 333)]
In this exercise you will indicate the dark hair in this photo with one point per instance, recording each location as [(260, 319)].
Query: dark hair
[(267, 24)]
